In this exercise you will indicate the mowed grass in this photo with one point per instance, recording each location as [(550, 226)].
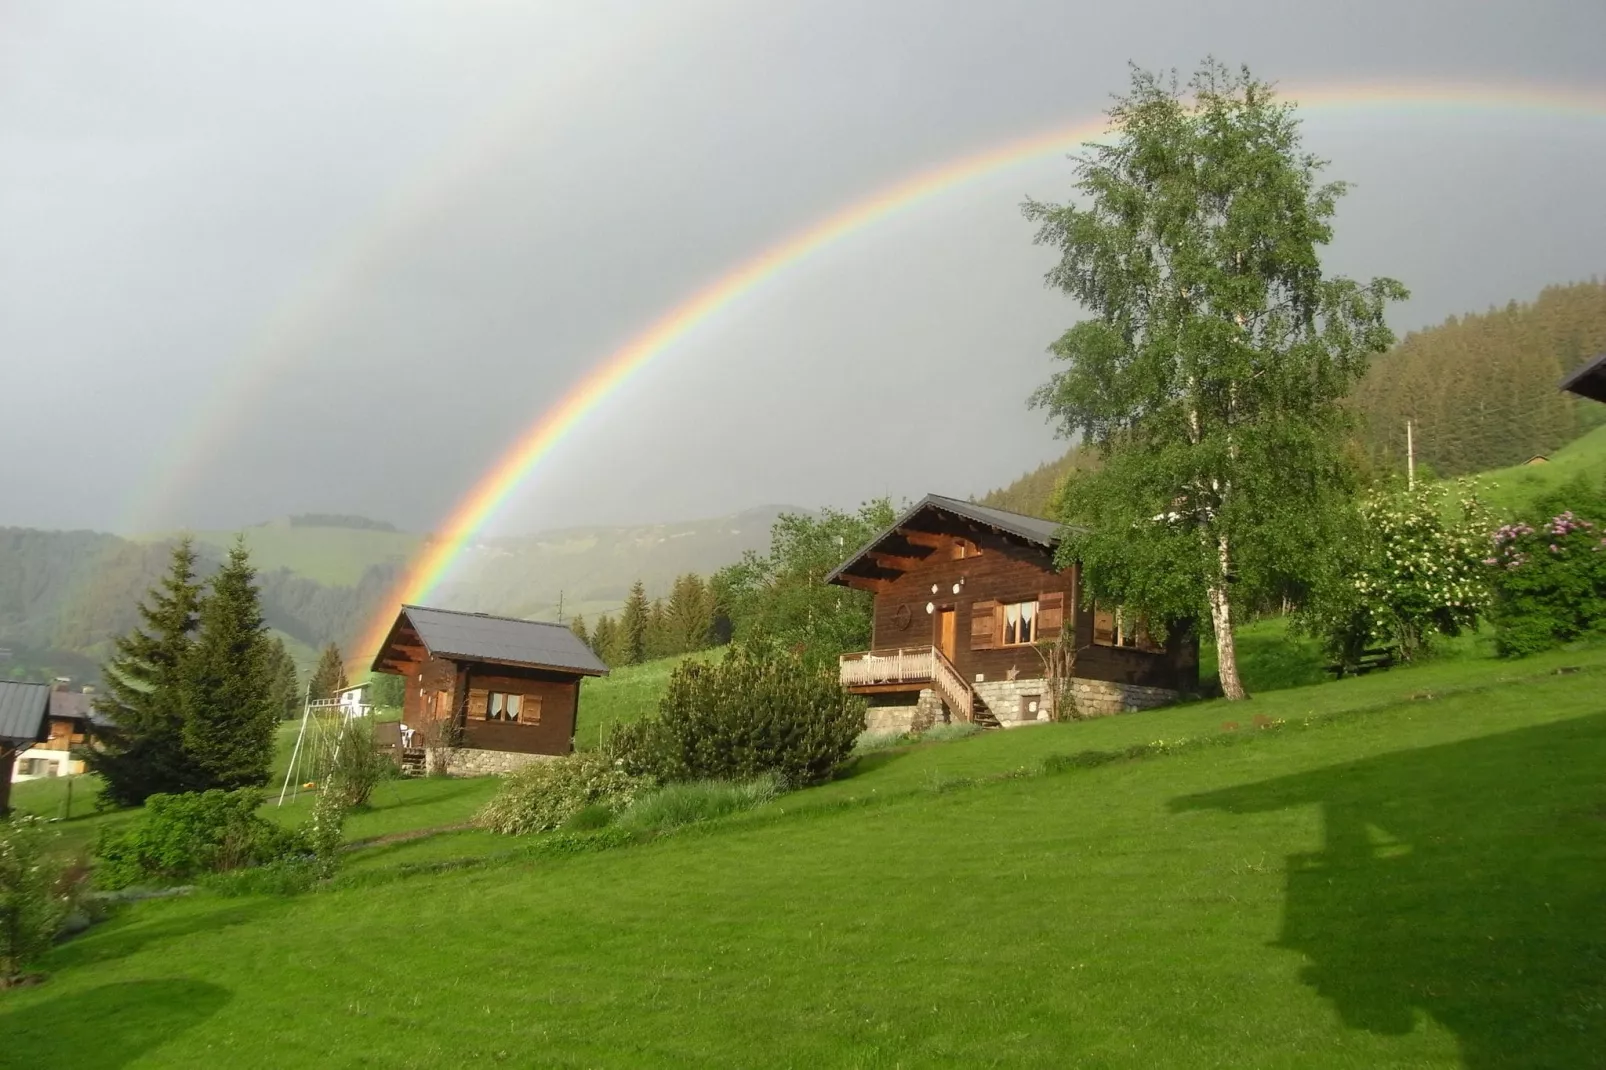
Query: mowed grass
[(1510, 492), (1417, 880)]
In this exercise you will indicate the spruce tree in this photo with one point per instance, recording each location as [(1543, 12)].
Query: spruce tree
[(633, 622), (143, 753), (284, 684), (578, 627), (605, 641), (229, 719), (690, 614), (330, 674)]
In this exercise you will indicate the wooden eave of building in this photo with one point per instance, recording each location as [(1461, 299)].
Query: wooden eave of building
[(932, 525), (1589, 381)]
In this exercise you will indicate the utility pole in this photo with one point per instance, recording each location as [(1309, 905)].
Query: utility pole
[(560, 607), (1410, 457)]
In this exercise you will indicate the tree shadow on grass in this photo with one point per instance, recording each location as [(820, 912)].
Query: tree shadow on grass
[(1466, 881), (860, 764), (129, 932), (106, 1027)]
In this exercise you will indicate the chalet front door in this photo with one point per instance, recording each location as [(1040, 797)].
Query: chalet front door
[(946, 632)]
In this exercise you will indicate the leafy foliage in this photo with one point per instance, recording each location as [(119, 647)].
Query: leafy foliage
[(1410, 567), (1211, 373), (355, 766), (180, 837), (32, 903), (1549, 581), (687, 803), (546, 793), (757, 711), (781, 597), (225, 694), (387, 689), (144, 753)]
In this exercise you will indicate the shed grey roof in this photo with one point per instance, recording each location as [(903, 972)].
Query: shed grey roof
[(22, 710), (1044, 533), (1589, 380), (481, 637)]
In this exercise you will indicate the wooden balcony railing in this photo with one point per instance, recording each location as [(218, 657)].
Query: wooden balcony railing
[(910, 665)]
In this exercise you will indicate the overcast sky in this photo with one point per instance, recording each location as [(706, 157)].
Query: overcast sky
[(258, 259)]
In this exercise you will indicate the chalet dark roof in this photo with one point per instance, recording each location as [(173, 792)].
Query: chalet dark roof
[(940, 514), (1589, 380), (76, 706), (22, 711), (448, 633)]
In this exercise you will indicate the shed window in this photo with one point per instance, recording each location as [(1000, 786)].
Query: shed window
[(1020, 623), (501, 706)]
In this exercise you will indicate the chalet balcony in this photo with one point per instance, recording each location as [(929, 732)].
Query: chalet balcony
[(890, 667), (908, 669)]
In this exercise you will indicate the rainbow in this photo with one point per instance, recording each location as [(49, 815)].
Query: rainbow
[(498, 484)]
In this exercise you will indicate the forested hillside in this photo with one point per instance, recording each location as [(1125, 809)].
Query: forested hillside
[(1480, 390)]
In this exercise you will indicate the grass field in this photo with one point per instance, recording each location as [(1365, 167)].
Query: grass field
[(1415, 879), (1509, 491)]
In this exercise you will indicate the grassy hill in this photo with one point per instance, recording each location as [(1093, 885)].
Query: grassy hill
[(335, 557), (1382, 879), (1510, 491)]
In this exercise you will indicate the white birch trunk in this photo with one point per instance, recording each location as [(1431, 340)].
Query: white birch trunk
[(1221, 619)]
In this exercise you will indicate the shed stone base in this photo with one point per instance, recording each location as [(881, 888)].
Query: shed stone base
[(466, 761), (1101, 698), (898, 714)]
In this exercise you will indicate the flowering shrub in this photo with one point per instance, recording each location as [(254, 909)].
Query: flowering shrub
[(1549, 581), (1413, 568), (32, 905), (545, 794)]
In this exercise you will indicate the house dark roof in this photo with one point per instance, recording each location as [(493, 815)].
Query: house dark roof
[(938, 513), (1589, 380), (22, 711), (480, 637), (76, 706)]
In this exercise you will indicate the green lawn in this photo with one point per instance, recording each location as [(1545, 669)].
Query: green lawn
[(1509, 491), (626, 694), (1417, 881)]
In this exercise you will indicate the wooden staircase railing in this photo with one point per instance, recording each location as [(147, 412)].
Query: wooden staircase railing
[(952, 687)]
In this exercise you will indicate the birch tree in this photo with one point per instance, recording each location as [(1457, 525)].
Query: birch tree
[(1210, 373)]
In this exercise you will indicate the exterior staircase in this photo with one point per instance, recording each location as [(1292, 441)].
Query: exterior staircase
[(879, 669)]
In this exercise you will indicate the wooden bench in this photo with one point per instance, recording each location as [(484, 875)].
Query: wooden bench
[(1380, 657)]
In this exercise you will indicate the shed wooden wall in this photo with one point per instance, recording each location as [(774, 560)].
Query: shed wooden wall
[(554, 734), (1007, 573)]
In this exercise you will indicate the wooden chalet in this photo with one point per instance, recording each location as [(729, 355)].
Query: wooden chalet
[(501, 690), (965, 597), (1589, 381)]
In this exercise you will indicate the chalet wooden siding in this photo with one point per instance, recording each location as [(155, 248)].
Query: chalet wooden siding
[(999, 575), (550, 696)]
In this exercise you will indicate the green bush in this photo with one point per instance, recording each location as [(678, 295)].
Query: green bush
[(1550, 583), (355, 766), (181, 837), (33, 904), (674, 805), (942, 733), (545, 794), (755, 712)]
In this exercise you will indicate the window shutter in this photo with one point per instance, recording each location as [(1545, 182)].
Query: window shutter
[(983, 625), (1103, 626), (477, 697), (532, 709), (1050, 614)]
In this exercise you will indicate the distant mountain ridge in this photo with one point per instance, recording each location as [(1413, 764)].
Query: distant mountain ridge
[(64, 595)]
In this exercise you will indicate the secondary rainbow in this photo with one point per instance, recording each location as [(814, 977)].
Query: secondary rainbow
[(494, 488)]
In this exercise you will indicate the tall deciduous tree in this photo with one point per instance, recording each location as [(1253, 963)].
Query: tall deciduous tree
[(1210, 373), (144, 752), (634, 620), (229, 718), (329, 675)]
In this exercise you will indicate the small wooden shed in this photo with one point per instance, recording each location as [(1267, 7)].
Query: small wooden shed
[(24, 721), (502, 689)]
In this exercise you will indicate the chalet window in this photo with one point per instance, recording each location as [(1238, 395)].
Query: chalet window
[(1019, 620), (501, 706), (1113, 627)]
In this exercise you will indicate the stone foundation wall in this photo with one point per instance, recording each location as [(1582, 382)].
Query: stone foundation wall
[(1101, 698), (917, 716), (1012, 700), (466, 761)]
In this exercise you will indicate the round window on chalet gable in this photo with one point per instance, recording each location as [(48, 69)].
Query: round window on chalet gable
[(902, 616)]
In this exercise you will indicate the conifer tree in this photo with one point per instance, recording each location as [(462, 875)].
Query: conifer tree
[(228, 713), (690, 614), (144, 752), (578, 627), (633, 621), (330, 674), (284, 683), (605, 641), (660, 643)]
